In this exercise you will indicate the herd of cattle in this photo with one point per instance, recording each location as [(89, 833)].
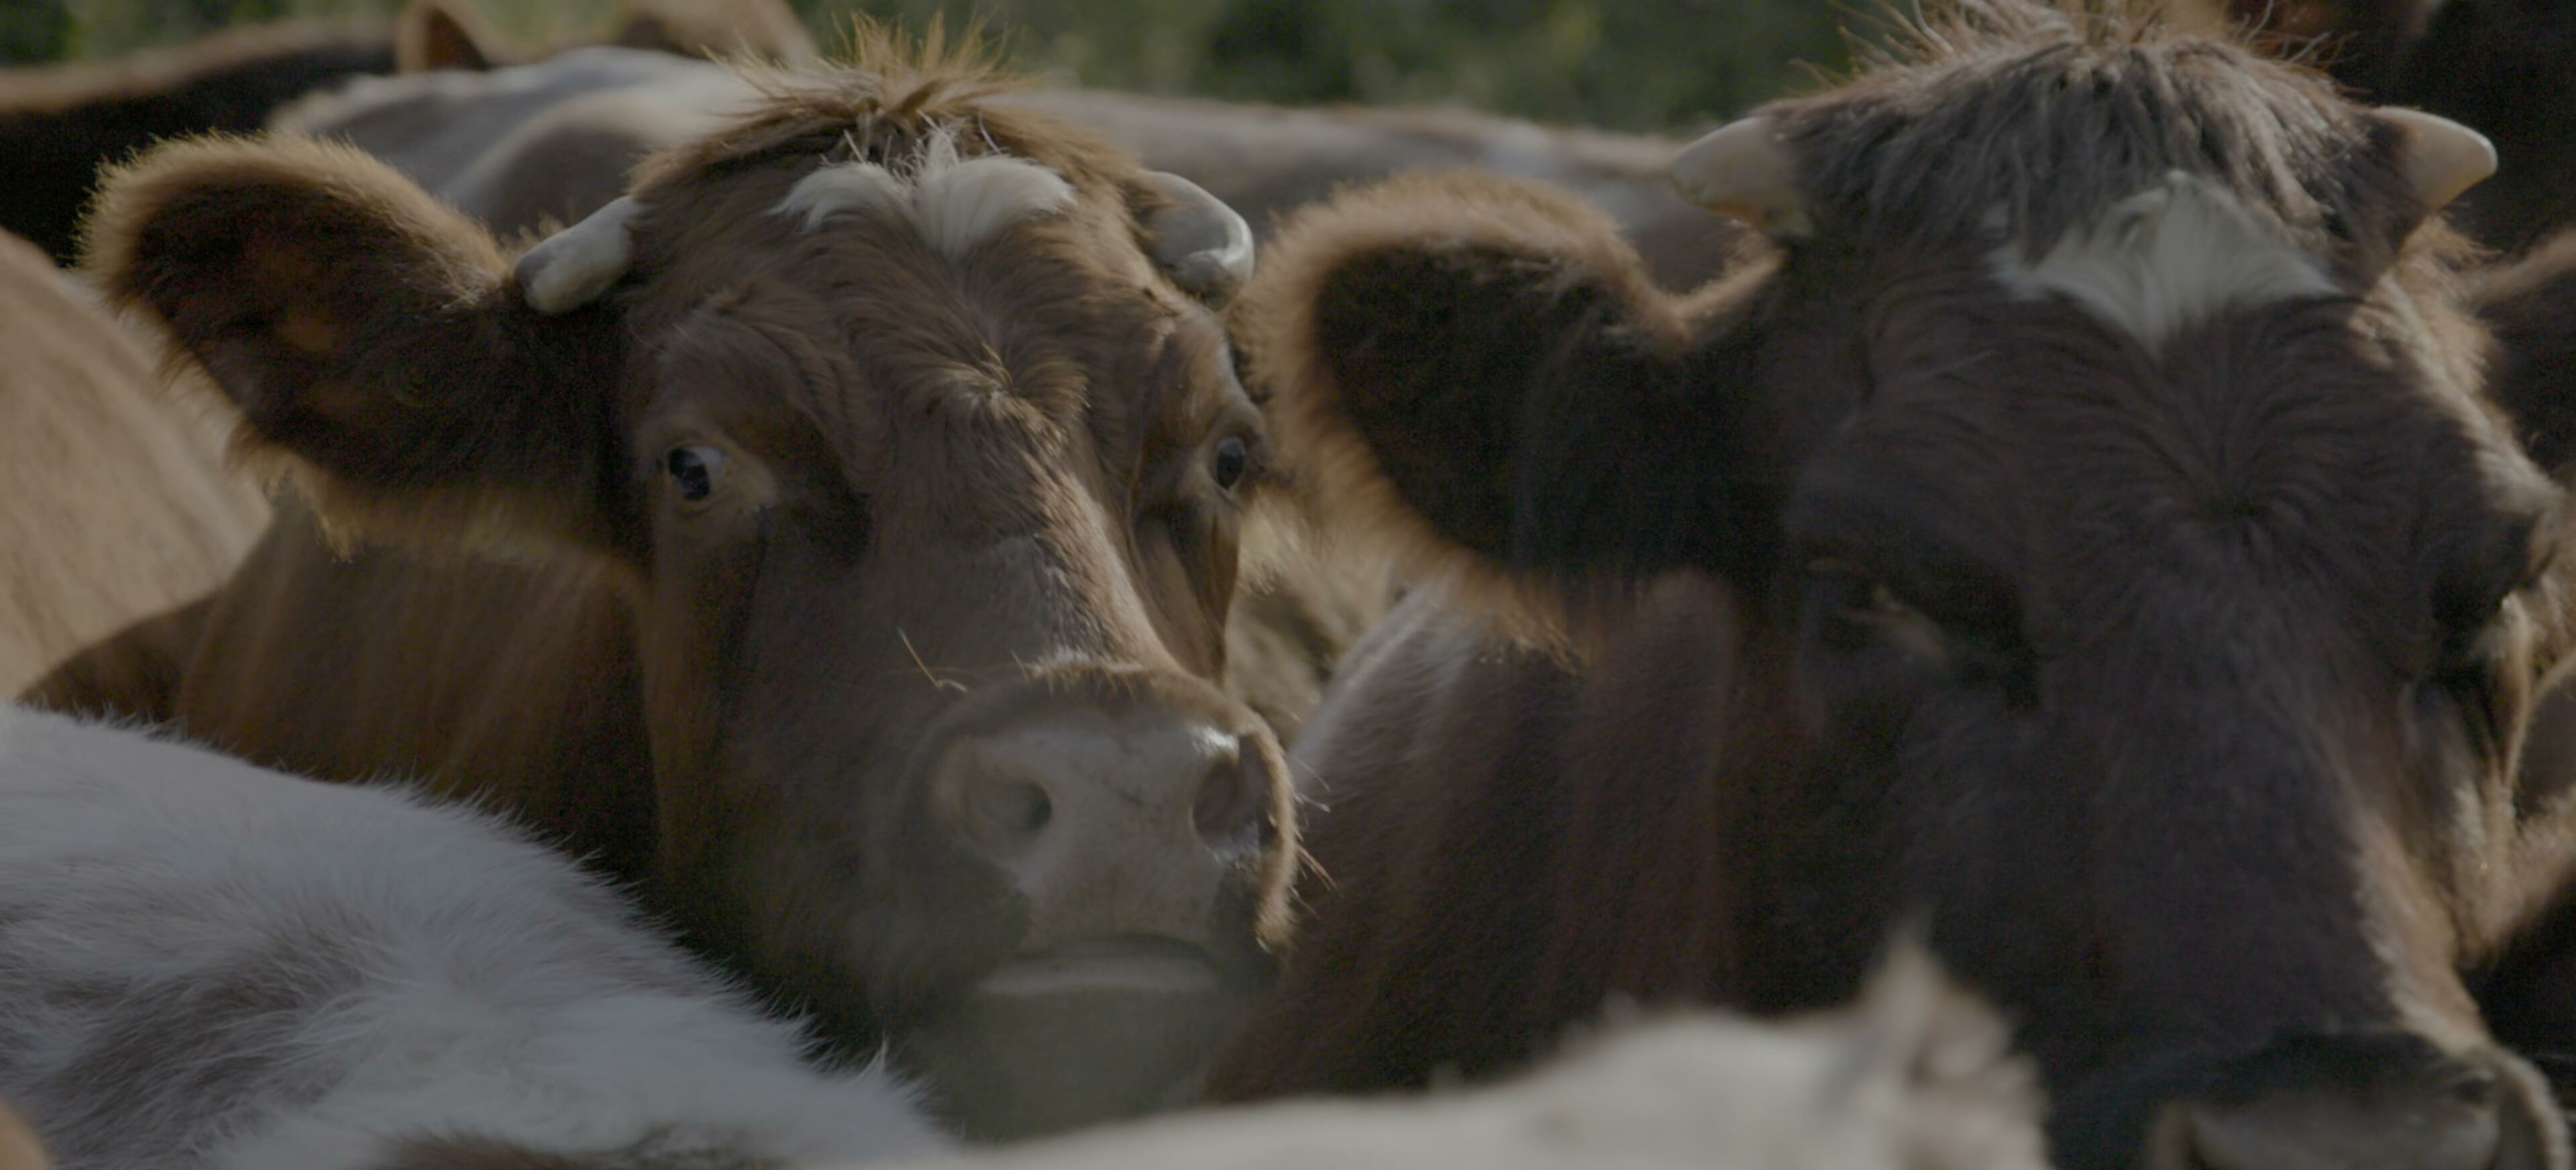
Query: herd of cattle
[(588, 608)]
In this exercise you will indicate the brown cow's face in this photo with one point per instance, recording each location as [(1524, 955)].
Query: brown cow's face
[(925, 478), (2140, 595), (939, 539)]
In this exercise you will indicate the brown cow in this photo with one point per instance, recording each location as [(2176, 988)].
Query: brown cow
[(865, 490), (2086, 538), (119, 505), (2505, 67)]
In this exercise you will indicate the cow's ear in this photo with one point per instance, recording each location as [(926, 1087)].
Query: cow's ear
[(375, 338), (449, 34), (1485, 366)]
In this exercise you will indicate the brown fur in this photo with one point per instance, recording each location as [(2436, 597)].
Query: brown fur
[(522, 156), (948, 484), (19, 1149), (121, 506), (2178, 690)]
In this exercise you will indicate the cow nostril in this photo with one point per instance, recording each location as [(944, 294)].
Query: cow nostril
[(2474, 1088), (1229, 797), (1008, 808), (2433, 1131)]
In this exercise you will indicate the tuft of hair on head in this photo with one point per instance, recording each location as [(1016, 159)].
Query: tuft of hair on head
[(882, 99), (903, 71), (1947, 30)]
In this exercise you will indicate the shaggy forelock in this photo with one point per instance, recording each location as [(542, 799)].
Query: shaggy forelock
[(2048, 114)]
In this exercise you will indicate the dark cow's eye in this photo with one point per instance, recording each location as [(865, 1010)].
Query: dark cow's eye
[(1856, 605), (693, 470), (1232, 459)]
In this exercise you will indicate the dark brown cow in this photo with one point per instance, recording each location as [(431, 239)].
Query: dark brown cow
[(2087, 541), (2505, 67), (59, 124), (865, 489)]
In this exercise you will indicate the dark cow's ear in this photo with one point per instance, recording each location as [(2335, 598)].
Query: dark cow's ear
[(1480, 362), (373, 336)]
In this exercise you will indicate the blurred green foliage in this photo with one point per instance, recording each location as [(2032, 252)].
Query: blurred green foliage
[(1640, 64)]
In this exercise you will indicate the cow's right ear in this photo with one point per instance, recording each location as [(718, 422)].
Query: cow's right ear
[(1485, 366), (373, 336)]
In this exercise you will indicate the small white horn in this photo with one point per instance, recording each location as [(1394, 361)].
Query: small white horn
[(1742, 170), (1202, 244), (572, 267), (2439, 157)]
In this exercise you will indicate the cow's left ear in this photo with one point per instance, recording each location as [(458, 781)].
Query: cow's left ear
[(376, 338), (1485, 367)]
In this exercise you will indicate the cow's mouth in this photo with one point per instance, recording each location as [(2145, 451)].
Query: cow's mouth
[(1076, 1033), (1132, 963)]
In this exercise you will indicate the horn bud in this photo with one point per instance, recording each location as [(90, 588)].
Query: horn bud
[(1744, 171), (2439, 158), (572, 267), (1202, 244)]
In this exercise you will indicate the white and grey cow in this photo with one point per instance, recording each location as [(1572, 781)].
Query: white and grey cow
[(204, 964)]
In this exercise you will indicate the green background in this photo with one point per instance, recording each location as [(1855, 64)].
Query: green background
[(1630, 64)]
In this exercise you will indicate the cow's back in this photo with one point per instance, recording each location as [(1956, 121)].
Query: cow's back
[(120, 503)]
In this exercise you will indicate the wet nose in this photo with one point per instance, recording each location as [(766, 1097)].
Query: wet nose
[(1117, 820), (2394, 1114)]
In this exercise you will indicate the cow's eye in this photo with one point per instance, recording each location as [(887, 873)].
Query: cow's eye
[(693, 470), (1230, 462), (1854, 604)]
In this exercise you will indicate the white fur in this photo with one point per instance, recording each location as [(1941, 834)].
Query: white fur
[(412, 968), (955, 203), (1916, 1076), (2179, 253)]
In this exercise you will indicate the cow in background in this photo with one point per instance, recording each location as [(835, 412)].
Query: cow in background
[(59, 124), (119, 502)]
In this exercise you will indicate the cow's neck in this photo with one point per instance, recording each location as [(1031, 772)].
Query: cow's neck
[(514, 683)]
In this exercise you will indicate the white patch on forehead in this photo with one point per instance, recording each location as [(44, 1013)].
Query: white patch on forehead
[(955, 203), (2177, 253)]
